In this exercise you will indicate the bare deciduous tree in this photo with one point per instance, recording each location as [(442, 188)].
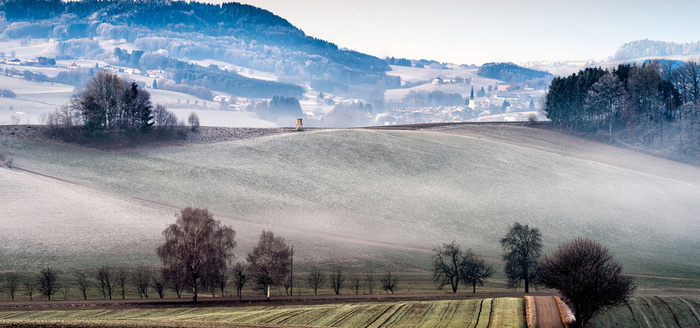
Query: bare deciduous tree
[(199, 245), (158, 283), (175, 279), (65, 290), (48, 282), (30, 283), (355, 284), (12, 284), (522, 246), (389, 282), (337, 280), (141, 278), (220, 281), (105, 281), (315, 279), (369, 282), (164, 118), (240, 277), (447, 262), (269, 261), (122, 280), (587, 277), (193, 121), (474, 270), (83, 282)]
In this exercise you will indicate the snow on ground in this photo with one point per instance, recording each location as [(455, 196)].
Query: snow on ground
[(35, 48), (416, 74), (247, 72)]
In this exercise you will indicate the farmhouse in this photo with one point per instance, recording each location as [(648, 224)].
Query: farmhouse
[(504, 87), (72, 66)]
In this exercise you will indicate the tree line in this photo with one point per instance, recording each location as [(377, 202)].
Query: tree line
[(653, 105)]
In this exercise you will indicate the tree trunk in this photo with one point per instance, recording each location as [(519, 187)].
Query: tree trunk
[(268, 292), (194, 298), (527, 283)]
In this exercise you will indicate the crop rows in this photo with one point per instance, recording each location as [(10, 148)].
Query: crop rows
[(500, 312), (655, 311)]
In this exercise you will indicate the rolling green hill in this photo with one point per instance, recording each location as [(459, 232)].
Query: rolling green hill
[(384, 197)]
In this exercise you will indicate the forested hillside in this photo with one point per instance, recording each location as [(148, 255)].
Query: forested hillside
[(239, 34), (651, 48), (510, 72), (654, 106)]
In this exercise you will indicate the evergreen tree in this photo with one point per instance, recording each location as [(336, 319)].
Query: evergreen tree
[(481, 93)]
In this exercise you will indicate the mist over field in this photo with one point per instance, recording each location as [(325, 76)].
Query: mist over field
[(355, 197)]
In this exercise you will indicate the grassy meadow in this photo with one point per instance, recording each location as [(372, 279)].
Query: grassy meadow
[(477, 313), (361, 199)]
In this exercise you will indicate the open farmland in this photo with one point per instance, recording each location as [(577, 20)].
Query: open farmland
[(476, 313), (359, 198), (670, 312)]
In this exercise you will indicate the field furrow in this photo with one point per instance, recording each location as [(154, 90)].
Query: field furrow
[(384, 316), (414, 314), (485, 313), (465, 314), (508, 313), (388, 319), (692, 310)]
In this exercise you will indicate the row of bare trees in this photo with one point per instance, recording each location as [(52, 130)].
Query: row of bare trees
[(107, 281), (198, 252), (336, 280), (196, 257)]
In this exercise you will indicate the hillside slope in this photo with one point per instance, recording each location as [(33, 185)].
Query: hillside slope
[(388, 196)]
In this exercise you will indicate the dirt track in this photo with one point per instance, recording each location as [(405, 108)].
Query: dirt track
[(547, 312)]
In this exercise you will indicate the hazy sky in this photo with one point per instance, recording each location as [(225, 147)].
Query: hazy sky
[(467, 31)]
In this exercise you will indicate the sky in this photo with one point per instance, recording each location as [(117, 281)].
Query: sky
[(476, 32)]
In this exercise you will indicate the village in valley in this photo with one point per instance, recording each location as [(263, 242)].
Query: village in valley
[(470, 97)]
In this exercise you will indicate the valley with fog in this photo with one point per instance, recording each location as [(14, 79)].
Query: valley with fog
[(364, 168)]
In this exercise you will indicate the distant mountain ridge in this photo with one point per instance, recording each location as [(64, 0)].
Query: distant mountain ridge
[(652, 48), (240, 34)]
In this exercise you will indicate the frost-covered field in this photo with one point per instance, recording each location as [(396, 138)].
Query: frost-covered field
[(384, 196)]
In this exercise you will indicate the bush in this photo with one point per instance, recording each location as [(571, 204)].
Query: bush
[(6, 93), (5, 160)]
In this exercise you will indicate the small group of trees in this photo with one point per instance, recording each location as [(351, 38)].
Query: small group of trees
[(582, 270), (112, 107), (452, 265), (198, 252)]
